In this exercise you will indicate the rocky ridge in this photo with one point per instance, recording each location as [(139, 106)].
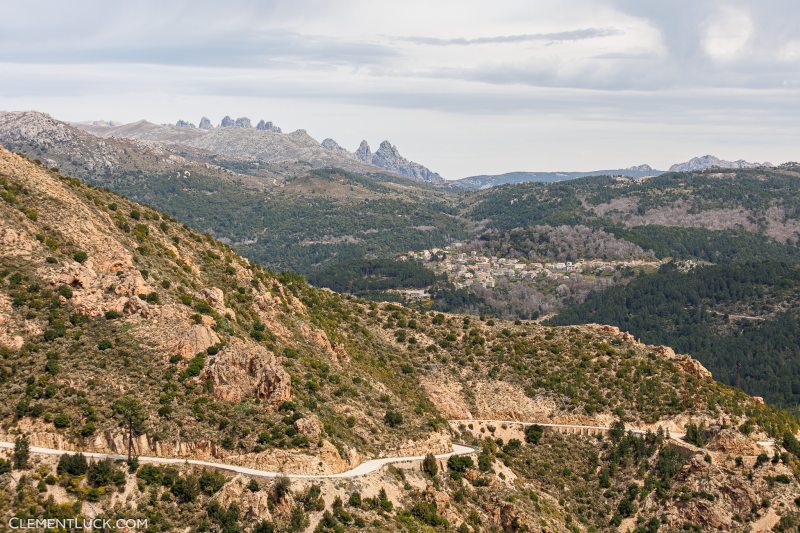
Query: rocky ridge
[(388, 157), (709, 161)]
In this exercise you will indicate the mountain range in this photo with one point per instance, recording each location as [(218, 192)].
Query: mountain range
[(485, 181), (266, 144), (639, 171)]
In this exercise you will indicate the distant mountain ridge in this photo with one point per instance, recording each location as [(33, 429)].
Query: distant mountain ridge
[(388, 157), (710, 161), (485, 181), (237, 138)]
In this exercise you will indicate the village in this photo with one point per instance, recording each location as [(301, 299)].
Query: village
[(465, 268)]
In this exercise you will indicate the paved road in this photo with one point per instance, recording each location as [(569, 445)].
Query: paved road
[(672, 434), (367, 467)]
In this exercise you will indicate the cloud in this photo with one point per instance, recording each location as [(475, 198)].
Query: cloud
[(572, 35)]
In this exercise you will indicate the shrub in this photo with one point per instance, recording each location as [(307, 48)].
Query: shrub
[(22, 452), (65, 291), (211, 481), (104, 345), (392, 418), (430, 466), (74, 465), (80, 256), (533, 434), (186, 488), (426, 513), (104, 473), (195, 366), (61, 421), (355, 499), (111, 315), (458, 464), (696, 434)]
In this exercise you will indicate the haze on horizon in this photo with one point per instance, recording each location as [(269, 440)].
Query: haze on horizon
[(463, 87)]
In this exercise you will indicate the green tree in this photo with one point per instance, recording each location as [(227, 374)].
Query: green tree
[(22, 452), (533, 434), (430, 466), (132, 415)]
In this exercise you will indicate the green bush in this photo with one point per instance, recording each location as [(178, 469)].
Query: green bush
[(533, 434), (211, 481), (80, 256), (65, 291), (392, 418), (104, 473), (72, 464)]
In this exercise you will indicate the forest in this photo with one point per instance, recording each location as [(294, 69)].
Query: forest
[(744, 315)]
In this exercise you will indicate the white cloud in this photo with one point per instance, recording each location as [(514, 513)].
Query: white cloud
[(727, 33), (465, 87)]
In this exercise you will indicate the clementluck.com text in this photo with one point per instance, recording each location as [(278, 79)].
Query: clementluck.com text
[(39, 524)]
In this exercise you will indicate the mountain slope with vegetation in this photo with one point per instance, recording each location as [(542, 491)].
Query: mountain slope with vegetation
[(118, 321)]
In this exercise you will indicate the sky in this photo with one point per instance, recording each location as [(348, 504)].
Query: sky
[(464, 87)]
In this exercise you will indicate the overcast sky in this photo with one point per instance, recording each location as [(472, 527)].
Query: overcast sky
[(464, 87)]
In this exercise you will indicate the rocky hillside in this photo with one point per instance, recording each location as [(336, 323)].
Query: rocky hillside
[(109, 308), (239, 141), (388, 158), (282, 214), (709, 161)]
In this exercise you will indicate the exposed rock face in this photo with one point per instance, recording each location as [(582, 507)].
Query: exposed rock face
[(244, 368), (184, 124), (268, 126), (388, 158), (710, 161), (364, 153), (227, 122), (205, 124), (309, 426), (243, 122), (333, 146), (731, 441), (193, 340)]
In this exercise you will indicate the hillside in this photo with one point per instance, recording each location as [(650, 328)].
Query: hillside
[(485, 181), (283, 214), (239, 143), (106, 304)]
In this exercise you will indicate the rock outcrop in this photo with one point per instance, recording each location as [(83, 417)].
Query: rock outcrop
[(244, 368), (363, 153), (388, 158), (268, 126), (710, 161), (227, 122), (205, 124), (243, 122), (184, 124)]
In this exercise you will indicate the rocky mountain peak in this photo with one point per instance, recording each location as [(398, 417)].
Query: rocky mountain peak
[(388, 157), (709, 161), (268, 126), (333, 146), (243, 122), (364, 153), (205, 124), (227, 122), (640, 168), (184, 124)]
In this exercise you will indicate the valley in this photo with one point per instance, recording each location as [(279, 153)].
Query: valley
[(237, 365)]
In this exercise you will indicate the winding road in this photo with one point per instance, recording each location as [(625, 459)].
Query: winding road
[(367, 467)]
